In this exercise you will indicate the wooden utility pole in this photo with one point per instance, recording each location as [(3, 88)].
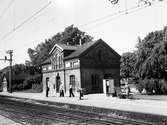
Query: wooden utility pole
[(10, 52)]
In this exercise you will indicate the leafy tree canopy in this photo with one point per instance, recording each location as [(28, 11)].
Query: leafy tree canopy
[(151, 59), (127, 64), (71, 35), (21, 69)]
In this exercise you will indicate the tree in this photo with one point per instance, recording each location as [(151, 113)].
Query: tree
[(151, 62), (127, 64), (71, 35), (151, 55)]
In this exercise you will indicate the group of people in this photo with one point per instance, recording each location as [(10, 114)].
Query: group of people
[(61, 91), (71, 94)]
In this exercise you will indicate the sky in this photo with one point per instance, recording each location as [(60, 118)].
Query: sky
[(91, 16)]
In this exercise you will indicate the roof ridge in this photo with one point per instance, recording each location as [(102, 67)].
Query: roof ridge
[(81, 49)]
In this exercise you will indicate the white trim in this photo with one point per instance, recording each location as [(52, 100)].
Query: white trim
[(56, 45)]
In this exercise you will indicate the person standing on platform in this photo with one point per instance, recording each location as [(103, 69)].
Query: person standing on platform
[(127, 89), (107, 88), (61, 90), (80, 90), (71, 91), (47, 91)]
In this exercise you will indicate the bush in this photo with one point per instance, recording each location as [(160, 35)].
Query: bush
[(16, 86), (153, 85), (37, 87), (27, 84), (34, 83), (148, 85), (140, 87), (157, 87), (163, 86)]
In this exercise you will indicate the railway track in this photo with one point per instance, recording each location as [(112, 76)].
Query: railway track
[(54, 114)]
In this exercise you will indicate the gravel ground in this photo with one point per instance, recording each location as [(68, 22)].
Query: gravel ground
[(6, 121), (100, 100)]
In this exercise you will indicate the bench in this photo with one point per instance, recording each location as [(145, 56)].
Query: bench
[(122, 95)]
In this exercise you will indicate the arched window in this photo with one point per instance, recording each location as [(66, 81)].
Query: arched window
[(72, 80), (59, 59)]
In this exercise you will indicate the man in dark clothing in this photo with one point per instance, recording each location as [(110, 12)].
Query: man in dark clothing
[(107, 88), (80, 93), (47, 91)]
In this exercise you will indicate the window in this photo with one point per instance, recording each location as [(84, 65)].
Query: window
[(71, 64), (46, 68), (49, 67), (67, 65), (72, 80), (75, 64), (59, 59)]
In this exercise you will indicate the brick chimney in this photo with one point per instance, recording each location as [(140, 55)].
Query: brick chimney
[(80, 42)]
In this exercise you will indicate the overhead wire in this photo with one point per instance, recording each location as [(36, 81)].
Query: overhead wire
[(109, 16), (116, 15), (25, 21), (6, 9)]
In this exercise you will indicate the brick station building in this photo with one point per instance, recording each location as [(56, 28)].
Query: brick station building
[(84, 66)]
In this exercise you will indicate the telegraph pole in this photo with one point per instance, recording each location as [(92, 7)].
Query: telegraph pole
[(10, 52)]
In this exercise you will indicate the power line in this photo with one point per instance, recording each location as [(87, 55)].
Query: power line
[(110, 15), (118, 14), (25, 21), (116, 17), (6, 9)]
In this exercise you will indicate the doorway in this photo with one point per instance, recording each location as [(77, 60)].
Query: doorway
[(72, 81), (57, 82), (95, 80)]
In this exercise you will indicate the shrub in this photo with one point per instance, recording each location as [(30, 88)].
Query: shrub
[(163, 86), (37, 87), (152, 85), (148, 85), (157, 87), (34, 83), (27, 84), (140, 87)]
